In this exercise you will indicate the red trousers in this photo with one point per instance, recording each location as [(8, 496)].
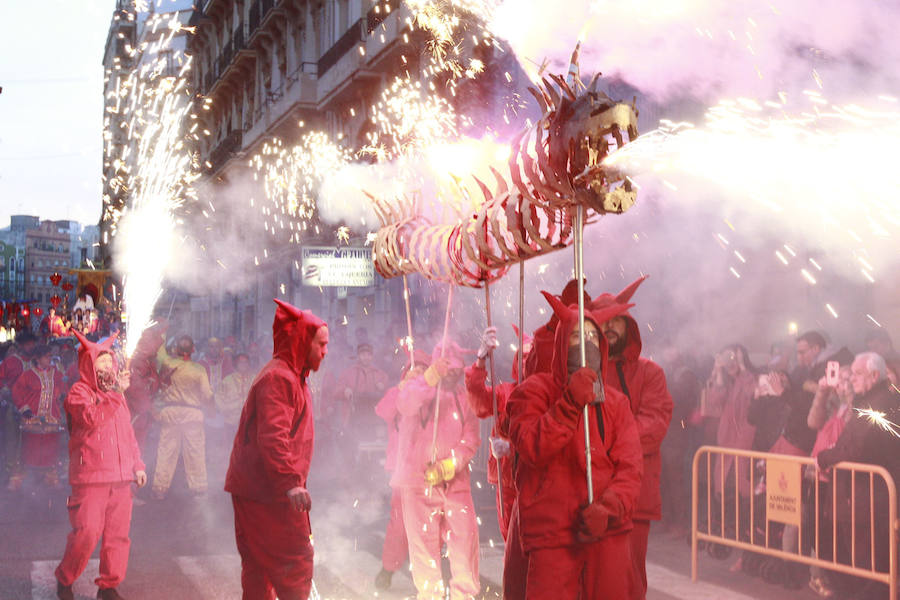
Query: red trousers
[(396, 549), (276, 551), (639, 536), (515, 562), (95, 511), (597, 571), (40, 449)]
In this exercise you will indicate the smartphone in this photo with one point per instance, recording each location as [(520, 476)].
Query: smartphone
[(832, 373)]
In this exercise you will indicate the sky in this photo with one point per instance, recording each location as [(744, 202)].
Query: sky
[(51, 108)]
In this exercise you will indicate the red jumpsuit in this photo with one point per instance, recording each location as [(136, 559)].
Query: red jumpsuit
[(271, 455), (144, 381), (644, 382), (548, 435), (444, 513), (395, 550), (103, 460), (39, 390)]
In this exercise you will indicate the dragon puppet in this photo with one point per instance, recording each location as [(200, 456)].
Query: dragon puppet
[(555, 165)]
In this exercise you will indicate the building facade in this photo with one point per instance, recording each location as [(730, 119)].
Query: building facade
[(47, 251)]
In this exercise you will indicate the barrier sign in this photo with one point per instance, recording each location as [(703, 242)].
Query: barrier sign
[(783, 499), (337, 267)]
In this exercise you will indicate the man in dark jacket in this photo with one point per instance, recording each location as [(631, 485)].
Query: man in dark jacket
[(644, 383), (270, 463), (865, 441)]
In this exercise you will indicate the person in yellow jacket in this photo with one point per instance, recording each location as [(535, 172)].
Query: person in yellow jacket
[(180, 414), (233, 392)]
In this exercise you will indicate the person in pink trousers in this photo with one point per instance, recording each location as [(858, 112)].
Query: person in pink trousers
[(432, 475), (104, 459)]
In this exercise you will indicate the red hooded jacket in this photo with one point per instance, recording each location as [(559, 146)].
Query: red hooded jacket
[(548, 435), (644, 382), (274, 442), (102, 447), (540, 359)]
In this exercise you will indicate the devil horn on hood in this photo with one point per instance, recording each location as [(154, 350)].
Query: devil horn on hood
[(290, 309), (562, 312), (602, 315), (626, 294), (85, 343), (109, 341)]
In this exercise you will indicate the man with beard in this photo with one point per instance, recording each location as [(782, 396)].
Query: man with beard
[(270, 463), (432, 475), (104, 459), (644, 383), (575, 549)]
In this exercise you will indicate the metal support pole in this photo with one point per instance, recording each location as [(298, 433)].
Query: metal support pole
[(487, 308), (521, 373), (579, 276), (437, 396), (409, 331)]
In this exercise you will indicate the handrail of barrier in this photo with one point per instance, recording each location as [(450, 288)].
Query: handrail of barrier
[(718, 535)]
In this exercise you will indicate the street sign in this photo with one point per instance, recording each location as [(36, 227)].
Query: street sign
[(337, 267)]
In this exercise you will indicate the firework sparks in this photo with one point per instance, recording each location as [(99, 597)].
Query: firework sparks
[(153, 167), (880, 420)]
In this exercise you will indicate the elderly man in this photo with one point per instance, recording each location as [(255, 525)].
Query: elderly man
[(644, 384), (270, 463), (864, 442), (103, 461)]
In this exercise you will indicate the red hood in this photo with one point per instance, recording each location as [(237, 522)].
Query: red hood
[(633, 342), (569, 296), (293, 331), (87, 355), (568, 321)]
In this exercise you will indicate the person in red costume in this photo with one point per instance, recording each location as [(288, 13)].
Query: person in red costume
[(540, 359), (432, 475), (13, 365), (644, 383), (270, 463), (104, 459), (396, 549), (144, 380), (575, 549), (481, 400), (37, 394)]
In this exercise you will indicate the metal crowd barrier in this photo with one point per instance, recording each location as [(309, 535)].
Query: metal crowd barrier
[(739, 507)]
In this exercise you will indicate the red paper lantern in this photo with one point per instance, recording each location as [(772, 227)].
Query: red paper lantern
[(55, 300), (25, 312), (38, 311), (55, 278), (67, 287)]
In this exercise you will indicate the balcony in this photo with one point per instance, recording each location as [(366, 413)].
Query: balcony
[(227, 148), (377, 14), (233, 51), (259, 13), (347, 42)]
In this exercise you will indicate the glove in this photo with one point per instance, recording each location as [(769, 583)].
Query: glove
[(441, 471), (580, 391), (300, 499), (488, 342), (437, 371), (593, 521), (500, 448)]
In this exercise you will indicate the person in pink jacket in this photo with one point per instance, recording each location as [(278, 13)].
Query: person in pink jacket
[(395, 550), (432, 475), (104, 459)]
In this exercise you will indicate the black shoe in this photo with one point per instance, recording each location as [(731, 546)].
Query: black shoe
[(383, 579), (108, 594), (64, 592)]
